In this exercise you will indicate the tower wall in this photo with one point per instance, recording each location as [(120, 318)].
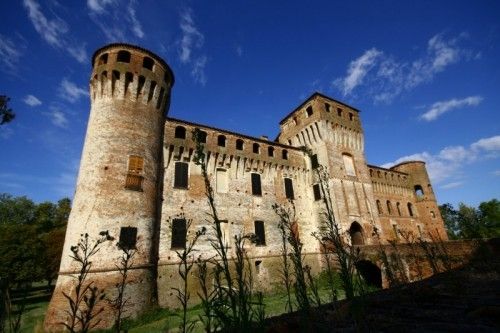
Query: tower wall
[(119, 177), (425, 200)]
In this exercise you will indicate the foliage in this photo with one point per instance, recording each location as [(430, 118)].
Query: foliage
[(6, 113), (82, 312), (468, 222)]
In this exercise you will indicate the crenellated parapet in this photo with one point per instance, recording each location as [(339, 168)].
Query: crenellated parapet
[(127, 72)]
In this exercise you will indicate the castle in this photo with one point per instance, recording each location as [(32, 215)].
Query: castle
[(138, 180)]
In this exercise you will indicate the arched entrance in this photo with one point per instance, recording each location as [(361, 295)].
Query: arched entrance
[(356, 233), (370, 273)]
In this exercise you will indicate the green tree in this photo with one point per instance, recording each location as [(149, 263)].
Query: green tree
[(490, 215), (450, 217), (53, 242), (16, 210), (6, 113)]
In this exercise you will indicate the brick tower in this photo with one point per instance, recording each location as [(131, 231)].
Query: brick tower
[(120, 176)]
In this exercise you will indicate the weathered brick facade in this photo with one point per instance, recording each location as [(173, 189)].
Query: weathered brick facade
[(133, 174)]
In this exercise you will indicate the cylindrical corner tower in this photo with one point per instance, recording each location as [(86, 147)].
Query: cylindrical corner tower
[(425, 200), (119, 181)]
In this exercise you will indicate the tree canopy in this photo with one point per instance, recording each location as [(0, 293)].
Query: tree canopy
[(468, 222), (6, 113)]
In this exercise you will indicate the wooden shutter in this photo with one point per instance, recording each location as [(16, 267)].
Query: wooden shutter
[(128, 237), (181, 175), (178, 233), (260, 233), (135, 164), (317, 192), (289, 188)]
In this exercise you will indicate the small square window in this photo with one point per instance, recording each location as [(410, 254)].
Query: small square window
[(128, 238), (260, 233)]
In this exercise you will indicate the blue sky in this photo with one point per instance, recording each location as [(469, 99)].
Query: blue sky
[(426, 75)]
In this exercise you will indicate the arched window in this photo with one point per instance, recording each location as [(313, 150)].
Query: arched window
[(221, 141), (379, 207), (284, 154), (148, 63), (239, 144), (371, 173), (180, 132), (419, 191), (270, 151), (103, 59), (339, 112), (309, 111), (389, 207), (201, 135), (398, 208), (356, 233), (410, 209), (433, 215), (256, 148), (327, 107), (123, 56)]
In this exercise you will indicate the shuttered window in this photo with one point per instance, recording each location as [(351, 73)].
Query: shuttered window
[(178, 234), (181, 175), (135, 164), (260, 233), (289, 189), (128, 238), (256, 187), (317, 192)]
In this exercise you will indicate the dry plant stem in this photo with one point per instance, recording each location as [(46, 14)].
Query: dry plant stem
[(86, 296), (286, 275), (120, 303)]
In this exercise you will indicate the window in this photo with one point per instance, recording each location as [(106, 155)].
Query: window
[(314, 161), (351, 116), (327, 107), (180, 132), (181, 175), (316, 192), (339, 112), (419, 191), (123, 56), (221, 141), (256, 186), (239, 144), (256, 148), (284, 154), (103, 59), (289, 189), (410, 209), (260, 233), (433, 215), (371, 173), (200, 135), (398, 208), (270, 151), (348, 165), (309, 111), (148, 63), (128, 238), (178, 234), (420, 231), (379, 207), (389, 207), (295, 120), (134, 174), (221, 181), (356, 233)]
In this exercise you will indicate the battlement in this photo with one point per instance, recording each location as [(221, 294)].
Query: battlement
[(127, 72)]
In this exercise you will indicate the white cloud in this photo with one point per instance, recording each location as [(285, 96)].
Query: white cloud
[(357, 71), (98, 6), (57, 117), (191, 43), (450, 161), (109, 16), (53, 31), (386, 77), (496, 172), (191, 39), (451, 185), (9, 54), (441, 107), (70, 91), (32, 100)]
